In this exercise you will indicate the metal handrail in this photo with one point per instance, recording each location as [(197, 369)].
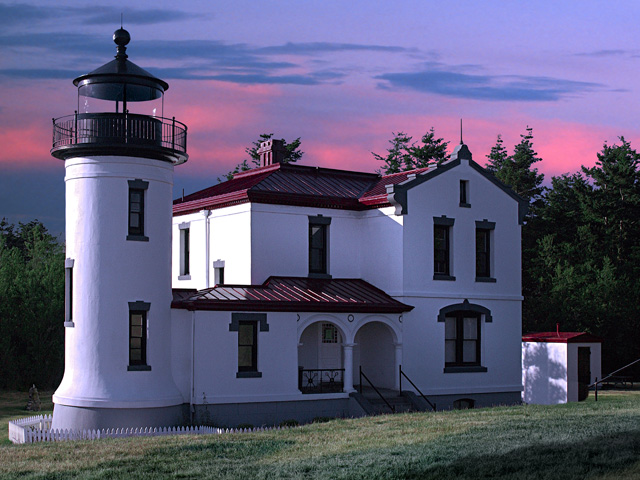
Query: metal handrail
[(432, 405), (595, 384), (393, 410), (120, 128)]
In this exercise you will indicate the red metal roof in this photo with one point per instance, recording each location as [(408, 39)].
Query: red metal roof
[(292, 294), (296, 185), (561, 337)]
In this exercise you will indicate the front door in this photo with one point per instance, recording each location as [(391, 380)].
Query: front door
[(584, 372)]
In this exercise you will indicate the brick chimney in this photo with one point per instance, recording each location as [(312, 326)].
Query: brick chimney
[(272, 151)]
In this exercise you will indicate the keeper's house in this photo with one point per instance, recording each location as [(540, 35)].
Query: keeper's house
[(288, 280)]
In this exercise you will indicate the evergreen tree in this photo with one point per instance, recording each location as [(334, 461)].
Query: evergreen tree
[(397, 157), (404, 155), (431, 150), (293, 155), (32, 306), (517, 170)]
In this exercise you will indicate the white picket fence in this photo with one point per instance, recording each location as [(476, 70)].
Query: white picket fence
[(38, 429)]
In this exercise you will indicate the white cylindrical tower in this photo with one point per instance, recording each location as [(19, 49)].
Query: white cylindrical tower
[(119, 182)]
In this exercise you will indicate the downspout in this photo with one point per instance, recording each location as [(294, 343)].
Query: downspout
[(193, 364), (206, 214)]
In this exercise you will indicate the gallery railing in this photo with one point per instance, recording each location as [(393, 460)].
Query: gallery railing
[(322, 380), (119, 129)]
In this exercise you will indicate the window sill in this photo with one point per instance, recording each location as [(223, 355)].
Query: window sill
[(485, 280), (442, 276), (465, 205), (319, 275), (249, 375), (139, 368), (465, 369), (69, 324), (137, 238), (184, 277)]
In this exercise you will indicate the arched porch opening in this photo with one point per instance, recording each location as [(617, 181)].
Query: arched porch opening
[(375, 352), (321, 359)]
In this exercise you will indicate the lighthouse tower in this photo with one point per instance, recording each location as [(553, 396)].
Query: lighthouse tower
[(119, 153)]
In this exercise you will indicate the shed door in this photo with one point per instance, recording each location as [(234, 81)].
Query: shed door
[(584, 372)]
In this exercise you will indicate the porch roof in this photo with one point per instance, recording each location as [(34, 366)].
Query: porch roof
[(292, 294)]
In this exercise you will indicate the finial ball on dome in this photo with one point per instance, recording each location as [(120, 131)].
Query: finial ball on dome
[(121, 37)]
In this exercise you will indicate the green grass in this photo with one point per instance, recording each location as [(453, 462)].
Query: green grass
[(580, 440)]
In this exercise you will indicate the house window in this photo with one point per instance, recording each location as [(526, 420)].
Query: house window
[(462, 336), (247, 346), (462, 339), (464, 193), (483, 251), (68, 292), (329, 333), (138, 335), (137, 190), (247, 326), (319, 245), (442, 248), (185, 246), (218, 272)]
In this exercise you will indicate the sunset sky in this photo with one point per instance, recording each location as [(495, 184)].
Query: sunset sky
[(342, 75)]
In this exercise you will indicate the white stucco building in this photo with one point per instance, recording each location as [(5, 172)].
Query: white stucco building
[(288, 280)]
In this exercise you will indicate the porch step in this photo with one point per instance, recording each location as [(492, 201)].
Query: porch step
[(374, 405)]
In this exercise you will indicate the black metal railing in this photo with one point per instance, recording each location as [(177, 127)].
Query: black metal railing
[(402, 374), (612, 374), (119, 129), (322, 380), (362, 375)]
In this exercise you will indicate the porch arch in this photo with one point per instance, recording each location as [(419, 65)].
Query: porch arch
[(377, 351)]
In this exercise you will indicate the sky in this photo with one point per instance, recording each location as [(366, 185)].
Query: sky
[(342, 75)]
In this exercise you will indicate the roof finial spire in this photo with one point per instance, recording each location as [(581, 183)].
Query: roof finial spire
[(121, 15), (461, 142)]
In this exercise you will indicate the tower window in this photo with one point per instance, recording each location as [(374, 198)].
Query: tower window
[(68, 292), (137, 189), (138, 335)]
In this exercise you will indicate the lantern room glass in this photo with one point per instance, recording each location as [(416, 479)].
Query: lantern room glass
[(120, 98)]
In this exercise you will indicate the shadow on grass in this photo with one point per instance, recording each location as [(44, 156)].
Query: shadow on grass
[(603, 455)]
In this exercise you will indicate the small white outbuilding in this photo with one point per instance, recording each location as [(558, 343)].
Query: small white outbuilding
[(558, 367)]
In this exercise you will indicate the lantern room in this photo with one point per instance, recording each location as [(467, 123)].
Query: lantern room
[(120, 111)]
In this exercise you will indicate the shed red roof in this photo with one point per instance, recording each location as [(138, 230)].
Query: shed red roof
[(561, 337), (296, 185), (292, 294)]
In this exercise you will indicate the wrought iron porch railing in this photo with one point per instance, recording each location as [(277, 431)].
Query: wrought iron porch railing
[(402, 374), (597, 382), (362, 375), (119, 129), (323, 380)]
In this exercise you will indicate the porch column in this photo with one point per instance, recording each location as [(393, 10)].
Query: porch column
[(398, 362), (348, 367)]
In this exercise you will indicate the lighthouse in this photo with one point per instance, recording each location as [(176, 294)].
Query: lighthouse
[(119, 153)]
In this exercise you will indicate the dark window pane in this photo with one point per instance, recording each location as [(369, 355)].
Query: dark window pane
[(469, 351), (245, 356), (245, 334)]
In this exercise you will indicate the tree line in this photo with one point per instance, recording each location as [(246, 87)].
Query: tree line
[(580, 255)]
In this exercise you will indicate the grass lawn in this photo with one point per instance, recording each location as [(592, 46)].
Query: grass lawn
[(580, 440)]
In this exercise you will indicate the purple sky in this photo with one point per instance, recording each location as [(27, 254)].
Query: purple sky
[(341, 75)]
